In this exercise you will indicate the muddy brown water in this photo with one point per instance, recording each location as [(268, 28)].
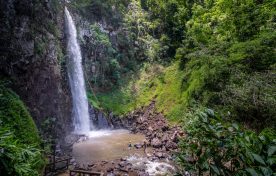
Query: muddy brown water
[(107, 146), (112, 145)]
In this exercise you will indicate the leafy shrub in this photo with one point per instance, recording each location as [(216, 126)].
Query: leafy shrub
[(210, 41), (19, 141), (14, 114), (17, 158), (251, 98), (218, 148), (257, 54)]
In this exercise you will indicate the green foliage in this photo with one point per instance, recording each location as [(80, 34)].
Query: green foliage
[(214, 53), (17, 158), (14, 114), (100, 37), (153, 82), (99, 9), (119, 101), (218, 148), (19, 141), (39, 46), (93, 100), (105, 61), (257, 54), (194, 54), (56, 6), (251, 98)]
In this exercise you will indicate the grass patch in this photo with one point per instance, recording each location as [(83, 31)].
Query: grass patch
[(154, 82)]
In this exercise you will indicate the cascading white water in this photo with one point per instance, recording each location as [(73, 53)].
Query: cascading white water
[(76, 78)]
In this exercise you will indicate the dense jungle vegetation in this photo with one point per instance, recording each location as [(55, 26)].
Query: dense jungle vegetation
[(191, 55), (186, 55)]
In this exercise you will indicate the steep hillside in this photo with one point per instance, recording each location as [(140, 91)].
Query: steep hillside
[(213, 54)]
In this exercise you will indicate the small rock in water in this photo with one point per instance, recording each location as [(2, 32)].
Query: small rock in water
[(143, 174), (171, 145), (123, 159), (123, 169), (124, 164), (72, 160), (110, 169), (110, 174), (91, 165), (159, 155), (138, 146)]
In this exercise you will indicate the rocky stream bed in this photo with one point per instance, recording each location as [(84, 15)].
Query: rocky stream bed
[(154, 133)]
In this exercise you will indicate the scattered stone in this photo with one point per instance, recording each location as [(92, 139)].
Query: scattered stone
[(91, 165), (153, 158), (150, 129), (110, 169), (123, 169), (143, 174), (159, 134), (156, 143), (138, 146), (148, 134), (165, 137), (72, 160), (158, 154), (123, 159), (123, 164), (171, 145), (110, 174)]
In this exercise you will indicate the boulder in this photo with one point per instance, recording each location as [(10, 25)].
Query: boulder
[(148, 134), (156, 143), (158, 154), (165, 138), (159, 134), (138, 146), (124, 164), (143, 174), (171, 145), (91, 165), (123, 159)]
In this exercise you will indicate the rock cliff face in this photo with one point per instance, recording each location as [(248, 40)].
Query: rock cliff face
[(107, 43), (98, 47), (31, 56)]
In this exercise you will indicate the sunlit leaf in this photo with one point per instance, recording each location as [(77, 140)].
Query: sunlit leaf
[(235, 126), (252, 172), (271, 161), (258, 158), (215, 169), (210, 112), (271, 150), (266, 171)]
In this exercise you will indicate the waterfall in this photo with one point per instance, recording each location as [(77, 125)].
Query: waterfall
[(76, 78)]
